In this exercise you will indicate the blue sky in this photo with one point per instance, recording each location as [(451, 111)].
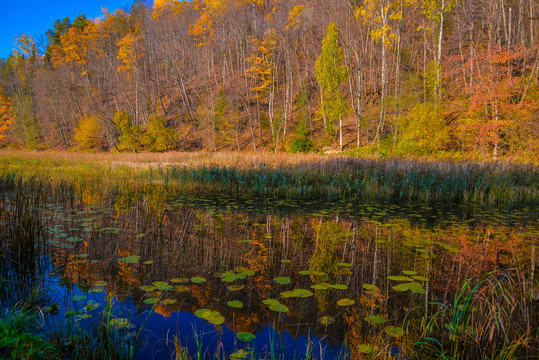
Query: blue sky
[(35, 17)]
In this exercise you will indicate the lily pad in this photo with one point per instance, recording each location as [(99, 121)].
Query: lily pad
[(132, 259), (168, 301), (197, 280), (345, 302), (343, 264), (322, 286), (414, 287), (271, 302), (399, 278), (327, 320), (100, 283), (91, 306), (235, 287), (149, 262), (211, 316), (375, 319), (181, 288), (304, 272), (77, 298), (245, 336), (161, 285), (179, 280), (367, 348), (339, 286), (369, 286), (279, 308), (394, 331), (282, 280), (95, 291), (421, 278), (121, 323), (408, 272), (151, 300), (240, 354), (236, 304), (148, 288)]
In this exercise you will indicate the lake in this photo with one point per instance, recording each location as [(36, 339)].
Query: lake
[(213, 276)]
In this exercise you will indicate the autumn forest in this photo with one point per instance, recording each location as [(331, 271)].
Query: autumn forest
[(398, 77)]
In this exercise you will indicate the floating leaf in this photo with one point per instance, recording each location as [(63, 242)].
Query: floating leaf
[(394, 331), (121, 323), (367, 348), (339, 286), (369, 286), (179, 280), (408, 272), (420, 278), (149, 262), (399, 278), (148, 288), (133, 259), (168, 302), (375, 319), (318, 273), (343, 264), (245, 336), (95, 291), (327, 320), (197, 280), (240, 354), (100, 283), (279, 308), (229, 278), (282, 280), (284, 261), (151, 300), (236, 304), (161, 285), (235, 287), (91, 306), (412, 286), (271, 302), (304, 272), (322, 286), (213, 317), (181, 288), (345, 302)]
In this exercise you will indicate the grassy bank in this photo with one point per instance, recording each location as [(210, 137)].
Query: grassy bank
[(292, 176)]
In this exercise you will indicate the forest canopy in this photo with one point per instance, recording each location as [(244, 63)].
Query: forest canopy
[(404, 77)]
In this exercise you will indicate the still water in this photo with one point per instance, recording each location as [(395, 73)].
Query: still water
[(259, 278)]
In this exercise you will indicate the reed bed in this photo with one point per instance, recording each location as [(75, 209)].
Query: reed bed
[(286, 176)]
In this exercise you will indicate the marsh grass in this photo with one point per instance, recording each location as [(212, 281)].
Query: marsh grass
[(291, 176)]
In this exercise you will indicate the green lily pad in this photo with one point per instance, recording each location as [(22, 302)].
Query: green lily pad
[(394, 331), (168, 302), (279, 308), (414, 287), (408, 272), (375, 319), (245, 336), (148, 288), (339, 286), (161, 285), (369, 286), (235, 287), (211, 316), (367, 348), (343, 264), (179, 280), (91, 306), (240, 354), (149, 262), (327, 320), (345, 302), (421, 278), (181, 288), (271, 302), (282, 280), (304, 272), (236, 304), (121, 323), (151, 300), (96, 291), (197, 280), (399, 278), (133, 259), (322, 286)]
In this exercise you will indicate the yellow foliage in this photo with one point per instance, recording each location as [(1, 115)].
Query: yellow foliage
[(293, 17), (5, 117), (262, 64), (88, 132), (129, 51)]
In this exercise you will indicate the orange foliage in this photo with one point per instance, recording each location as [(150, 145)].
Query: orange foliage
[(5, 117)]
